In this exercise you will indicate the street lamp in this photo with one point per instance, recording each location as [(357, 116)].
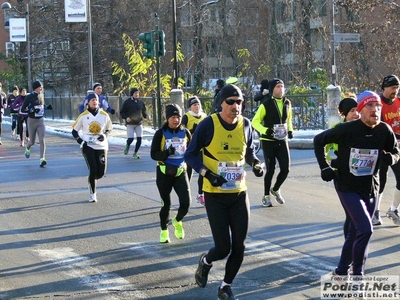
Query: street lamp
[(6, 6)]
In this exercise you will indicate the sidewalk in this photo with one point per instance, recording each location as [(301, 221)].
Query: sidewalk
[(302, 139)]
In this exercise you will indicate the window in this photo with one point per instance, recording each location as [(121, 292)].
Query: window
[(285, 11), (251, 16), (10, 49)]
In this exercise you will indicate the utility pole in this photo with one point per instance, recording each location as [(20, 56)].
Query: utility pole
[(174, 43), (333, 62)]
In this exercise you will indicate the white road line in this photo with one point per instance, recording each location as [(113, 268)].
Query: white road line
[(81, 268)]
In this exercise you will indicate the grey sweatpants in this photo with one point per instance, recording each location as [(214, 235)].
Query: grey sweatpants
[(37, 126)]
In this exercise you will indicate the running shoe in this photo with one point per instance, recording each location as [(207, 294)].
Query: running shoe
[(27, 153), (200, 199), (43, 162), (126, 150), (164, 236), (201, 275), (394, 216), (278, 196), (266, 201), (1, 142), (93, 198), (226, 293), (135, 155), (376, 218), (179, 232)]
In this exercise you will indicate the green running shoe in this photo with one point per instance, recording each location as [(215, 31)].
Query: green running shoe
[(126, 150), (135, 155), (27, 153), (43, 162), (164, 236), (179, 232)]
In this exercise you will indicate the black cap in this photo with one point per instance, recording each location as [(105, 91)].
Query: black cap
[(132, 91), (193, 100), (264, 85), (171, 110), (230, 90), (272, 84), (91, 96), (36, 84), (95, 85), (390, 80), (346, 105), (220, 83)]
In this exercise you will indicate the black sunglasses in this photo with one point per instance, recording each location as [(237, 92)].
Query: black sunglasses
[(231, 101)]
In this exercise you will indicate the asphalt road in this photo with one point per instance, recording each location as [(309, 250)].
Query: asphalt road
[(55, 244)]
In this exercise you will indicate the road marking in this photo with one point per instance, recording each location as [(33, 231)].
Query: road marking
[(81, 268)]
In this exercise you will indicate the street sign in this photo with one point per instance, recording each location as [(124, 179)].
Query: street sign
[(347, 37)]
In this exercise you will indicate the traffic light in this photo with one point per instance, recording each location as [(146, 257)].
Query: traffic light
[(161, 43), (148, 44)]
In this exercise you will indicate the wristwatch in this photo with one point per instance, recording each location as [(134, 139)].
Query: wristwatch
[(203, 172)]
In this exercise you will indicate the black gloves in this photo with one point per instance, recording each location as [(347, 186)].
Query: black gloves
[(50, 107), (82, 143), (258, 169), (101, 138), (170, 150), (194, 128), (215, 180), (270, 132), (290, 134), (387, 158), (328, 174), (112, 111), (334, 163)]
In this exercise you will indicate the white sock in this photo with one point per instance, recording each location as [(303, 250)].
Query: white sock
[(378, 202), (224, 284), (205, 261), (396, 200)]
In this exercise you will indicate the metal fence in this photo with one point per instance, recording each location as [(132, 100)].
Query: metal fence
[(309, 110)]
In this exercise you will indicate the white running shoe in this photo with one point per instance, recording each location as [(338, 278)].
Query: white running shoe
[(376, 218), (278, 196), (394, 216), (266, 201), (93, 198)]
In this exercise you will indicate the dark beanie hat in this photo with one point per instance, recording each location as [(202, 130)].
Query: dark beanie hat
[(264, 85), (91, 96), (171, 110), (95, 85), (193, 100), (132, 91), (230, 90), (15, 88), (272, 83), (36, 85), (220, 83), (346, 105), (390, 80)]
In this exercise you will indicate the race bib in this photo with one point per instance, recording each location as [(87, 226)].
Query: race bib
[(179, 144), (280, 131), (232, 172), (93, 140), (362, 162), (39, 110)]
